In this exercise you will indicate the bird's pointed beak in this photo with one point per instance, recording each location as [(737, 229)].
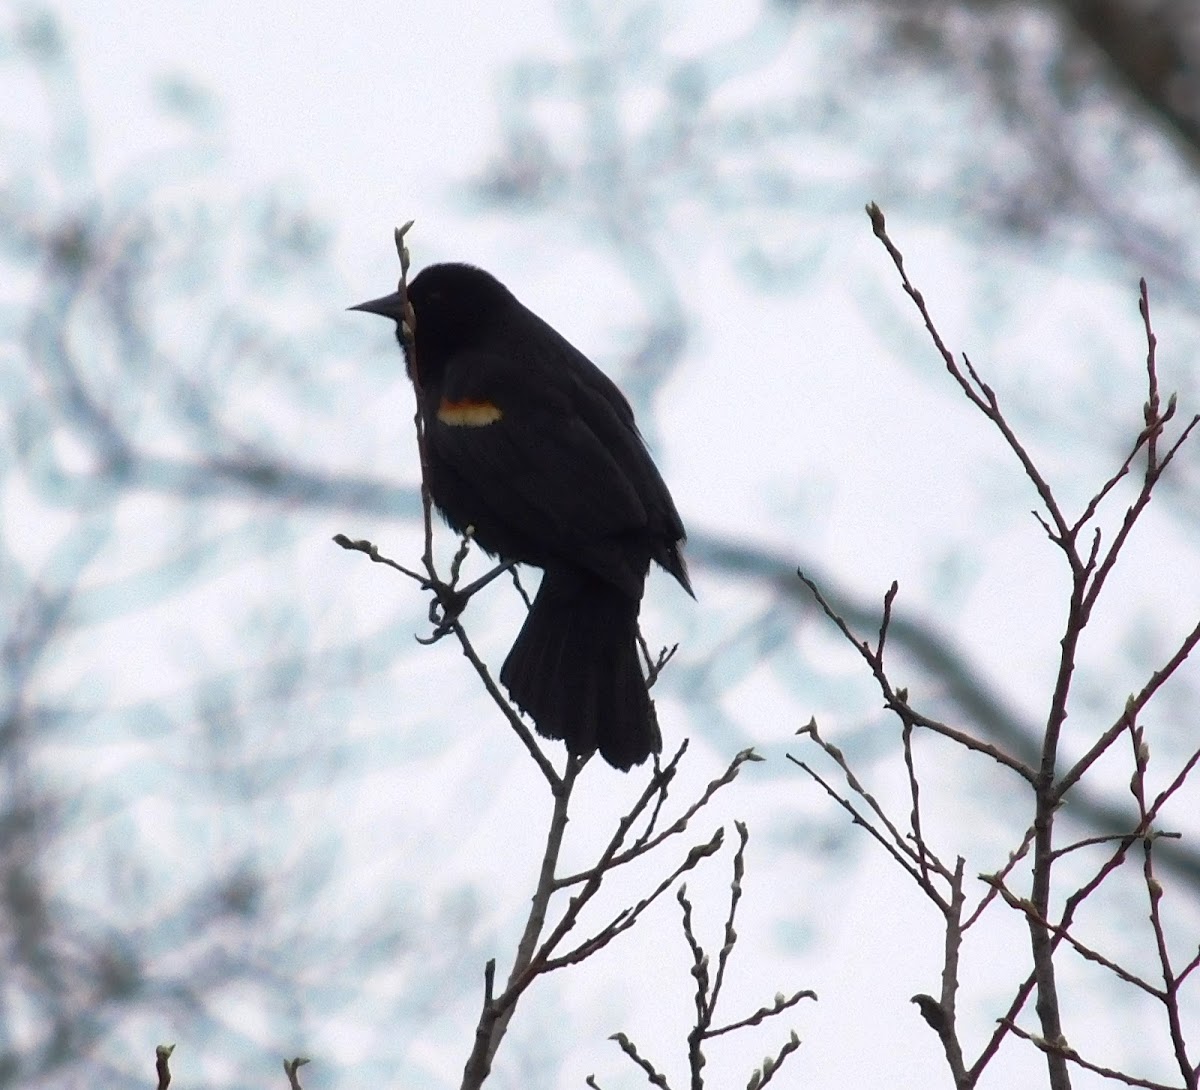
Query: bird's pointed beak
[(387, 306)]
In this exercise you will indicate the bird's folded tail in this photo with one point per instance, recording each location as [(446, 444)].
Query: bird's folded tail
[(575, 670)]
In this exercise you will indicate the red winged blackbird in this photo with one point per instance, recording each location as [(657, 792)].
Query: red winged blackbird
[(531, 447)]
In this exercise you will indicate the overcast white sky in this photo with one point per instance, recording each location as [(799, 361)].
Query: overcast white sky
[(798, 421)]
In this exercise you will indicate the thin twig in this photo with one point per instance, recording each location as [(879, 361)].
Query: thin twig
[(514, 720), (735, 896), (1154, 894), (1116, 838), (950, 962), (625, 919), (1132, 707), (291, 1068), (896, 700), (1067, 1053), (613, 857), (931, 861), (655, 1077), (858, 819), (162, 1065), (992, 891), (978, 392), (772, 1064), (781, 1004), (1026, 907)]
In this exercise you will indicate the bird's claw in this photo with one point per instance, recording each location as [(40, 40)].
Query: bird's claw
[(445, 608)]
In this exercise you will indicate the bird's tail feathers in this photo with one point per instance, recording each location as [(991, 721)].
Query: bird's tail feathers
[(575, 670)]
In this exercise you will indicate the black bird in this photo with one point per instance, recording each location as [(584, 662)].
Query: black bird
[(533, 448)]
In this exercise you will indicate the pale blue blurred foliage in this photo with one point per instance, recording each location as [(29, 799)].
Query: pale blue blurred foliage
[(174, 372), (164, 353)]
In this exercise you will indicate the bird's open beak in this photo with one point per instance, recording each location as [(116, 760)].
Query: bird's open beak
[(387, 306)]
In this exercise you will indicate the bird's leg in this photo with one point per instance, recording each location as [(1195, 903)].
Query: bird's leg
[(484, 580)]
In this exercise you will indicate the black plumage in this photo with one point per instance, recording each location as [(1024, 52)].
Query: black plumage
[(534, 448)]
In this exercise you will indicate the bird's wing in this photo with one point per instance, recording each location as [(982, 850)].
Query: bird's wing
[(515, 433)]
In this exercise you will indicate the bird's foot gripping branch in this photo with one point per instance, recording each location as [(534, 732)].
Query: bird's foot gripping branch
[(449, 599)]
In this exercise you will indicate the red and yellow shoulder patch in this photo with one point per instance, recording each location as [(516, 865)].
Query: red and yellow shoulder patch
[(468, 414)]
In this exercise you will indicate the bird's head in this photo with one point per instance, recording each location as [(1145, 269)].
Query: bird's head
[(453, 304)]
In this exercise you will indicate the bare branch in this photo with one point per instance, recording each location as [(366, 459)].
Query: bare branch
[(781, 1004), (1132, 707), (162, 1065), (900, 854), (976, 390), (735, 895), (291, 1068), (613, 858), (1065, 1052), (992, 891), (1026, 907), (1154, 894), (630, 1049), (624, 920), (896, 700), (772, 1064)]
